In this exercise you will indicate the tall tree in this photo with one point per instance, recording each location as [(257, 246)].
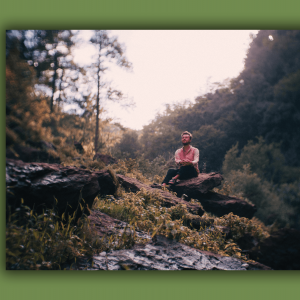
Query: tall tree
[(48, 51), (109, 50)]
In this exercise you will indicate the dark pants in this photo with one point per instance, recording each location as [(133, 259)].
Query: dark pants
[(185, 172)]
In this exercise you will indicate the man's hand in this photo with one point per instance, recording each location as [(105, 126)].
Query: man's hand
[(185, 162)]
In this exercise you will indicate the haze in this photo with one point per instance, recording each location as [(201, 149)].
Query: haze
[(169, 66)]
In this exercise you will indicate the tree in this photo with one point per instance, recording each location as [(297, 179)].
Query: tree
[(129, 144), (109, 50), (49, 52)]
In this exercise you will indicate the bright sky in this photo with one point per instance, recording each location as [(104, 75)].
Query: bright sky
[(169, 66)]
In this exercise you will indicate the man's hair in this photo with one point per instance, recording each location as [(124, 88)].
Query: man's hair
[(186, 132)]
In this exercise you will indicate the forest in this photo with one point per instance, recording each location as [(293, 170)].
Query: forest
[(247, 128)]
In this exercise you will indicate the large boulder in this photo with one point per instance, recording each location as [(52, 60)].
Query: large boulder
[(133, 185), (196, 187), (39, 184), (280, 251)]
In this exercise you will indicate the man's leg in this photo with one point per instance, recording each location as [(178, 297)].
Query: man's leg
[(187, 172), (170, 174)]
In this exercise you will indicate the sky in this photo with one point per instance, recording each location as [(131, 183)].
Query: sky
[(169, 66)]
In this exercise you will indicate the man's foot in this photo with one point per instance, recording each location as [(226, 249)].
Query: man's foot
[(172, 181)]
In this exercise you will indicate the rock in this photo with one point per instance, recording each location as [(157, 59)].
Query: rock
[(28, 154), (79, 147), (221, 205), (196, 187), (164, 254), (133, 185), (107, 159), (40, 183), (280, 251)]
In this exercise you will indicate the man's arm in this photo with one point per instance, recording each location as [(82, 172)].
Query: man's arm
[(177, 157), (196, 157)]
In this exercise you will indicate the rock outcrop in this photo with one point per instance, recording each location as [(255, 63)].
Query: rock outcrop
[(133, 185), (39, 184), (164, 254), (280, 251), (200, 188)]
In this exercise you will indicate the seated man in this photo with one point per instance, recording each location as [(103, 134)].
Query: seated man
[(187, 159)]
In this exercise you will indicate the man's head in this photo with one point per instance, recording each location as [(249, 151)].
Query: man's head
[(186, 138)]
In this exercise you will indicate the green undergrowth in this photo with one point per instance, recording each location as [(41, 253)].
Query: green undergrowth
[(144, 211), (48, 242)]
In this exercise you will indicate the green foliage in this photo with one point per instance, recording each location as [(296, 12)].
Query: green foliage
[(259, 175), (266, 160), (289, 194)]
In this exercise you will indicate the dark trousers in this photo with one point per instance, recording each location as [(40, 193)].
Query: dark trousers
[(185, 172)]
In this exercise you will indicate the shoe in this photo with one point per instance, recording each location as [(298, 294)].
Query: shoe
[(172, 181)]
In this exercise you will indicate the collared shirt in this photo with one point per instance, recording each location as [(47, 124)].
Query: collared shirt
[(192, 155)]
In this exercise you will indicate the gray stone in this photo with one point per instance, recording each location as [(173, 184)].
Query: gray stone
[(165, 254)]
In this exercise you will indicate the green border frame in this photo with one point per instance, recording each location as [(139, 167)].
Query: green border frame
[(134, 14)]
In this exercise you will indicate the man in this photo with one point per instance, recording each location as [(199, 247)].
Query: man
[(187, 159)]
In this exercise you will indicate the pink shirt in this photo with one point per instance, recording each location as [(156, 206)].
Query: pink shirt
[(192, 155)]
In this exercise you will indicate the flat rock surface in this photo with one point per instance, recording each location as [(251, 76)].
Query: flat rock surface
[(165, 254)]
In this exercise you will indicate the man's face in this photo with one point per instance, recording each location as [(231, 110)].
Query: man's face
[(185, 139)]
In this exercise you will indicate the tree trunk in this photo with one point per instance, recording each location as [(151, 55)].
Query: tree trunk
[(60, 87), (53, 82), (98, 101)]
